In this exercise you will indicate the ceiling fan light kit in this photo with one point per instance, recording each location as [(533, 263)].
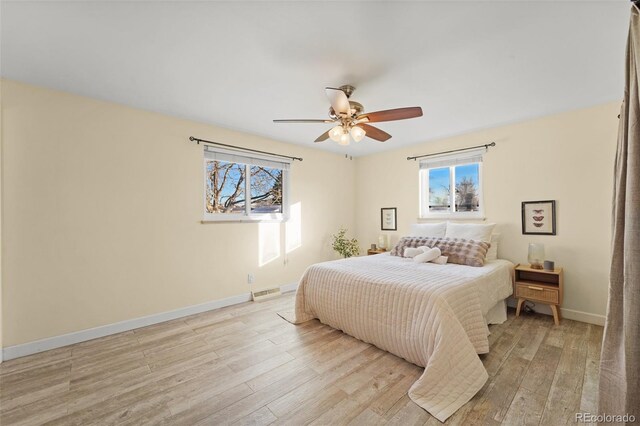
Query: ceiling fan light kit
[(341, 135), (352, 120)]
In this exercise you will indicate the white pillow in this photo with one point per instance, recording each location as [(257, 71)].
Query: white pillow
[(470, 231), (428, 255), (428, 229), (492, 254)]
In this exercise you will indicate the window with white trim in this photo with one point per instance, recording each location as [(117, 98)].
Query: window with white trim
[(239, 186), (451, 185)]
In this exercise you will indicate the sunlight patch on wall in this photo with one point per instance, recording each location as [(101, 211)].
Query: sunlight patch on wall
[(293, 228), (268, 242)]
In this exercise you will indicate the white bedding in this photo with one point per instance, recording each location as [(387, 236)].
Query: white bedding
[(494, 279), (431, 315)]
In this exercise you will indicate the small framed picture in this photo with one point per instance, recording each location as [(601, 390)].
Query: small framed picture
[(388, 220), (539, 217)]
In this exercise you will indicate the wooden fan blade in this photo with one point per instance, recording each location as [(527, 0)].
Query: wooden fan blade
[(302, 120), (375, 133), (391, 115), (323, 137), (338, 99)]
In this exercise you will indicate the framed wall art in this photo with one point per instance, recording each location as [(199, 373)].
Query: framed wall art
[(388, 219), (539, 217)]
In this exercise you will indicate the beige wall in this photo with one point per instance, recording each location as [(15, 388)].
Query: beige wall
[(566, 157), (102, 210)]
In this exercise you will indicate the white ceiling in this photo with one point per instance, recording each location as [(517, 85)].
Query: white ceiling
[(469, 65)]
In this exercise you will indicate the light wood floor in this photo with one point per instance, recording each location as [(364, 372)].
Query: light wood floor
[(245, 365)]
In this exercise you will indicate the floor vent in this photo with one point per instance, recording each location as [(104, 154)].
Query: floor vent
[(265, 294)]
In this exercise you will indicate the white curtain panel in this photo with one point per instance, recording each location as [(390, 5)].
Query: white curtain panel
[(619, 392)]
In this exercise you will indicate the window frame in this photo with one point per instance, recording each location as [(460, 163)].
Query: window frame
[(247, 216), (423, 185)]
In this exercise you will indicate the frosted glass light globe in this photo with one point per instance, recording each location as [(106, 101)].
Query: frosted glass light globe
[(357, 133), (336, 133), (344, 139)]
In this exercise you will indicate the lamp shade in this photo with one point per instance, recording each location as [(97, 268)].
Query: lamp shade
[(344, 139)]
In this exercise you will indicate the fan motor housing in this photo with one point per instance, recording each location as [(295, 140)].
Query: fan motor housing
[(356, 107)]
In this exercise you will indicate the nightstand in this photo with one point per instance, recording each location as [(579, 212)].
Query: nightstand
[(539, 285), (376, 251)]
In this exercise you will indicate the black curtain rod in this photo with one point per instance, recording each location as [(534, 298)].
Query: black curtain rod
[(453, 150), (191, 138)]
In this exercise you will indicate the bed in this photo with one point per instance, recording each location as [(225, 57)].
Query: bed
[(434, 316)]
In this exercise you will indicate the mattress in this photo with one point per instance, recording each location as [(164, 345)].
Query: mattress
[(494, 281)]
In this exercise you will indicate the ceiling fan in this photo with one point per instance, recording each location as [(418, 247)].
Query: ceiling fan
[(352, 121)]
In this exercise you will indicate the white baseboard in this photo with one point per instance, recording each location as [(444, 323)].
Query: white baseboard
[(31, 348), (37, 346), (567, 313), (583, 316), (289, 287)]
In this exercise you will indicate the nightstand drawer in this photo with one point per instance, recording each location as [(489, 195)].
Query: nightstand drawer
[(535, 292)]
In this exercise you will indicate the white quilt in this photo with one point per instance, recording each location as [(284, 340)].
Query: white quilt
[(431, 315)]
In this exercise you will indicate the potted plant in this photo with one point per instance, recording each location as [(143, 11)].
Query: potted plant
[(346, 247)]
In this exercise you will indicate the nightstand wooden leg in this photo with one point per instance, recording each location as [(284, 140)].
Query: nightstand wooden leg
[(556, 314), (520, 303)]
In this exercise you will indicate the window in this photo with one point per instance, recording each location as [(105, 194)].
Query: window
[(451, 185), (244, 187)]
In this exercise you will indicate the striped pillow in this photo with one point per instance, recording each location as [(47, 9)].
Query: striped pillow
[(458, 250)]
